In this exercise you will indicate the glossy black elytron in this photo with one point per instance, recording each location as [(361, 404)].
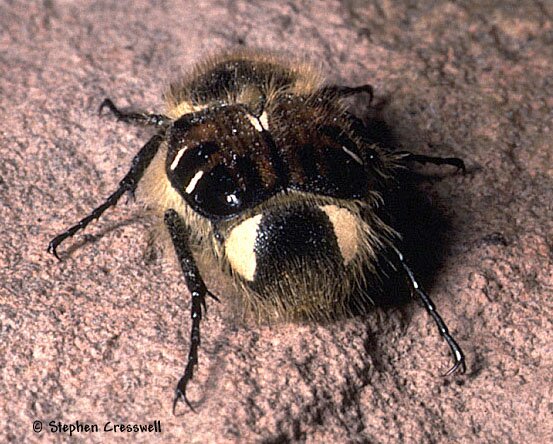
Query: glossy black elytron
[(222, 164)]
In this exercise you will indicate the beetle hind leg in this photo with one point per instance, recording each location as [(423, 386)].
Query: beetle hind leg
[(456, 350)]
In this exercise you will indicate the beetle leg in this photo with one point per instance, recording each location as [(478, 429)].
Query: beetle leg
[(135, 117), (128, 184), (420, 158), (180, 234), (442, 327), (346, 91)]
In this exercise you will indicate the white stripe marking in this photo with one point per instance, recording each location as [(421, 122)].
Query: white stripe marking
[(194, 181), (264, 119), (259, 124), (353, 155), (177, 158)]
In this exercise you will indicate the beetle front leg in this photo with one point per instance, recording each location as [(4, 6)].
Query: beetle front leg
[(347, 91), (128, 184), (421, 158), (135, 117)]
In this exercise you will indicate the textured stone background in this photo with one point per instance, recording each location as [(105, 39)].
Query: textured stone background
[(103, 335)]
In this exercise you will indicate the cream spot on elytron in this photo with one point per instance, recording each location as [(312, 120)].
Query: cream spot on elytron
[(259, 124), (264, 119), (194, 181), (239, 247), (177, 158), (346, 229), (353, 155)]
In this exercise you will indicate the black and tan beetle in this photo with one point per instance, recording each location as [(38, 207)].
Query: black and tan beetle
[(261, 165)]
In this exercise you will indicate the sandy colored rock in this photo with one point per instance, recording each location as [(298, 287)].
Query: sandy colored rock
[(103, 335)]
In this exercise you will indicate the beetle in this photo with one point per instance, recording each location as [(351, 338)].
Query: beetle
[(261, 166)]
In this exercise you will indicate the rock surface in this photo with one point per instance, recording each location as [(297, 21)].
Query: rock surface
[(103, 335)]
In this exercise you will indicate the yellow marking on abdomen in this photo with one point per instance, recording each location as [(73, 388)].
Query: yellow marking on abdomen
[(239, 247)]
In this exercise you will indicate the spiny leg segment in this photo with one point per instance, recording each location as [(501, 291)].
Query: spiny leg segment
[(179, 233), (128, 184), (442, 327), (135, 117)]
